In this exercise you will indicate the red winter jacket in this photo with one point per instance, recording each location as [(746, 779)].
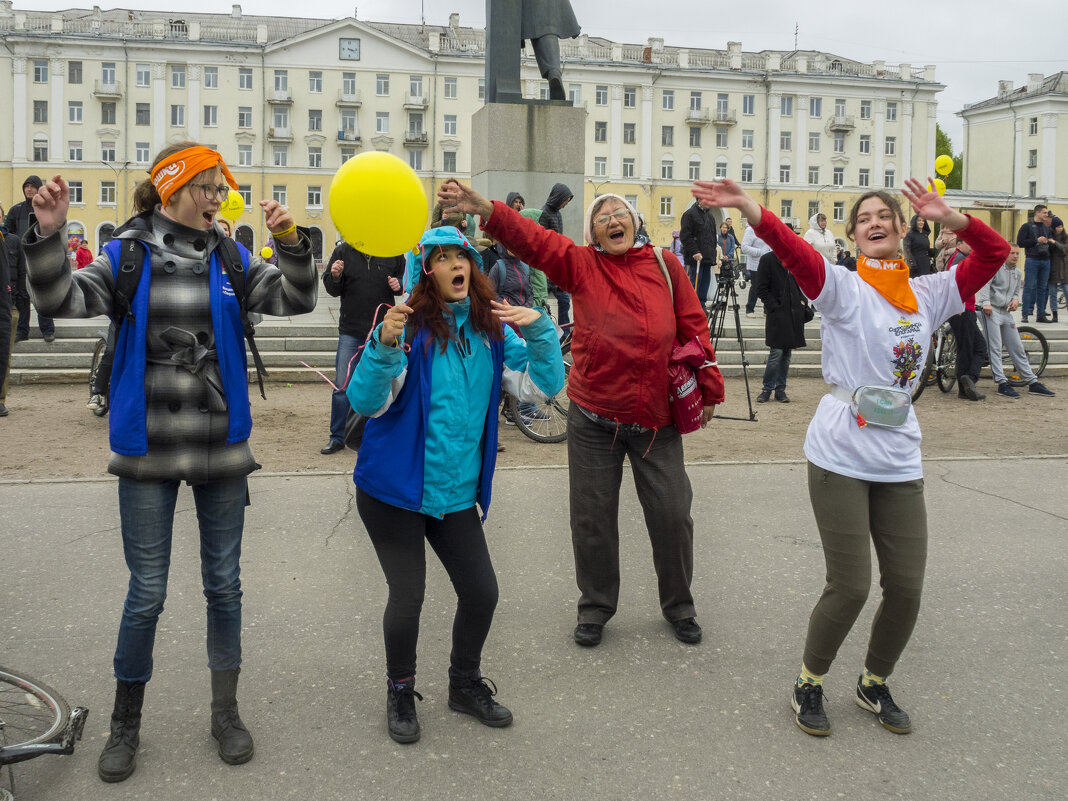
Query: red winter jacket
[(626, 322)]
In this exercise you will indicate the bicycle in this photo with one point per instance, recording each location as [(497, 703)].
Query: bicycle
[(545, 421), (99, 354), (34, 720), (940, 366)]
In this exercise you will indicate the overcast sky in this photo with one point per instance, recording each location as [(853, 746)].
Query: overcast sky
[(974, 44)]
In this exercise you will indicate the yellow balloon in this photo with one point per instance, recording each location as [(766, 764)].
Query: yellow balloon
[(943, 165), (266, 253), (233, 207), (937, 185), (378, 204)]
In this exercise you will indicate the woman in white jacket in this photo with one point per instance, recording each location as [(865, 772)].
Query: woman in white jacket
[(820, 238)]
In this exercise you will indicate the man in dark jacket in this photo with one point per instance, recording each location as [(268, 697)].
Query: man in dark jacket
[(784, 327), (363, 283), (9, 281), (699, 232), (1033, 237), (18, 222), (551, 218)]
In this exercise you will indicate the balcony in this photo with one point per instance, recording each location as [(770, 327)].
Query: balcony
[(107, 89), (279, 134), (415, 101), (725, 116), (345, 135), (353, 99), (279, 96), (415, 139), (840, 122), (696, 116)]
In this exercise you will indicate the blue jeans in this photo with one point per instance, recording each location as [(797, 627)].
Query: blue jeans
[(1053, 290), (706, 282), (1036, 281), (146, 509), (563, 305), (776, 369), (347, 347)]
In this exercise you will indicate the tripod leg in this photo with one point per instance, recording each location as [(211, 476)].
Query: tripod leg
[(741, 348)]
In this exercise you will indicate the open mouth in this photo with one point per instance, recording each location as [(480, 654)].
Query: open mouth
[(458, 281), (875, 237), (616, 236), (209, 218)]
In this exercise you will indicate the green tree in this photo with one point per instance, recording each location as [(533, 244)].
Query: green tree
[(944, 147)]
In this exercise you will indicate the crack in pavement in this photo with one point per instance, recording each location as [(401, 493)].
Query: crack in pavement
[(945, 477), (351, 493)]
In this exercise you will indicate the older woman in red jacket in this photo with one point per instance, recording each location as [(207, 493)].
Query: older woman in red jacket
[(627, 319)]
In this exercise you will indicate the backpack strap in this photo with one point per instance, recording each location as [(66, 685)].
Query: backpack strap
[(235, 270), (127, 278), (659, 252)]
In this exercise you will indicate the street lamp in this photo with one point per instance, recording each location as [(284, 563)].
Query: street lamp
[(119, 172)]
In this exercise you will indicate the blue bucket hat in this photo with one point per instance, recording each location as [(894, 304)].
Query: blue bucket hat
[(415, 259)]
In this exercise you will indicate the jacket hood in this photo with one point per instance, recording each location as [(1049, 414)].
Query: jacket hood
[(814, 225), (587, 224), (912, 225), (559, 195), (33, 181), (415, 259), (512, 196)]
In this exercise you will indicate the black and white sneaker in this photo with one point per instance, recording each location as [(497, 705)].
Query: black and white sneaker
[(877, 700), (807, 701)]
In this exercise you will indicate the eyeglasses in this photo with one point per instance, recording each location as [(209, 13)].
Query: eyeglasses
[(211, 192), (618, 214)]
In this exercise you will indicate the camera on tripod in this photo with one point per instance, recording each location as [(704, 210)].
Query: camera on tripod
[(727, 272)]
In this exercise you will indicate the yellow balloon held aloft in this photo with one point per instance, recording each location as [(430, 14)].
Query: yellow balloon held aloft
[(266, 253), (943, 166), (937, 185), (378, 204), (233, 207)]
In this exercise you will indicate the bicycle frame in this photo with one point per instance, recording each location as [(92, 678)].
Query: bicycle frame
[(63, 744)]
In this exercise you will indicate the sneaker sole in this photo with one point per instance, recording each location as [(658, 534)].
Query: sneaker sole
[(797, 711), (867, 707), (403, 739), (493, 724)]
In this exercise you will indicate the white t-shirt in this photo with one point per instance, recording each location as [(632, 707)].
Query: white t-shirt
[(869, 342)]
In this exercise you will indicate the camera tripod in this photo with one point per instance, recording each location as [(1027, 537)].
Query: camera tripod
[(727, 299)]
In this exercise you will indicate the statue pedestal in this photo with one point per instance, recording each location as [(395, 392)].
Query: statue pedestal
[(526, 148)]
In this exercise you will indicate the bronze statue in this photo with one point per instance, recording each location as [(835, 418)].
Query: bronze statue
[(511, 22)]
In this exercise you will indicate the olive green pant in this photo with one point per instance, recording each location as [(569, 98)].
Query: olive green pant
[(848, 511)]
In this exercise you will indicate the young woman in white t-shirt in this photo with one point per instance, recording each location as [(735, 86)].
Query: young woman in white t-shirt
[(866, 481)]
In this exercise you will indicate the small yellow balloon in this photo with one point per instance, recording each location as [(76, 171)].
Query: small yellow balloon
[(233, 207), (378, 204), (266, 253), (937, 185), (943, 165)]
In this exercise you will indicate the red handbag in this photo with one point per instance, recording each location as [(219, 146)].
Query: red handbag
[(684, 395)]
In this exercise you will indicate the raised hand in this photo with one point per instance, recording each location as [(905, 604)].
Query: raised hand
[(931, 205), (50, 205), (278, 218), (455, 197), (727, 194), (393, 324), (516, 315)]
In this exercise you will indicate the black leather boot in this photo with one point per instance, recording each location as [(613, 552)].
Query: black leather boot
[(235, 743), (401, 719), (475, 697), (119, 757)]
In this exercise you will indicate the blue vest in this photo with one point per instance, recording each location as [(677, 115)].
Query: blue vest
[(126, 408), (392, 454)]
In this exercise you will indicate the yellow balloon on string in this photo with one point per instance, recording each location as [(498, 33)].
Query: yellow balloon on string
[(378, 204), (233, 207), (266, 253), (943, 165), (937, 185)]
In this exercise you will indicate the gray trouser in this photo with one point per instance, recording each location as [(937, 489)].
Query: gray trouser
[(848, 510), (1000, 329), (595, 454)]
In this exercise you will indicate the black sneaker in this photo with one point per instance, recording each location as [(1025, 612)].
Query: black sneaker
[(877, 700), (781, 396), (687, 630), (807, 701), (1040, 389), (401, 720), (475, 698), (764, 396), (588, 634)]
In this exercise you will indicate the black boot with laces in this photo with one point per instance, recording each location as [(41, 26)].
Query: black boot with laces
[(119, 757), (475, 697), (401, 719)]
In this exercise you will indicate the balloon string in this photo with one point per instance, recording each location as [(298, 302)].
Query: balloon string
[(352, 361)]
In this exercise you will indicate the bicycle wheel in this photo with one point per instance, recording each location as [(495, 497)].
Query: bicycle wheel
[(924, 376), (545, 421), (94, 372), (30, 712), (947, 362), (1037, 350)]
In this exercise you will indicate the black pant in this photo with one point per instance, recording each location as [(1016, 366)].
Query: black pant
[(5, 340), (22, 303), (460, 544), (971, 348)]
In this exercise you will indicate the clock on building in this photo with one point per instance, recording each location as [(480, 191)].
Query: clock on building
[(348, 49)]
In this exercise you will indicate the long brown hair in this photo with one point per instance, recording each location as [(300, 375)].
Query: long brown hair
[(429, 309)]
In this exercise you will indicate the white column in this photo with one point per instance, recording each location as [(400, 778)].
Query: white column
[(193, 118), (161, 116), (879, 141), (932, 136), (907, 162), (615, 132), (56, 66), (801, 144), (19, 154), (771, 158), (646, 134), (1018, 159), (1048, 181)]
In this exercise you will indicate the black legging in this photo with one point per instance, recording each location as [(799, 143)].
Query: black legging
[(460, 544)]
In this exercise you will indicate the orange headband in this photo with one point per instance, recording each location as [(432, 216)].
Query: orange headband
[(171, 175)]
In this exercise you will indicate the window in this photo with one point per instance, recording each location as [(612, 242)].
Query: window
[(244, 116), (415, 85), (838, 143), (244, 155), (786, 208), (1032, 158), (211, 116), (784, 174), (448, 161), (574, 94), (695, 101), (1032, 188), (142, 114), (177, 116), (75, 192), (600, 131), (667, 136), (315, 158), (281, 80), (74, 151), (891, 111), (747, 140), (864, 178), (107, 113), (721, 104), (1032, 128), (786, 105), (280, 155), (40, 150), (747, 172), (40, 72), (381, 84), (628, 168), (601, 96), (315, 82), (211, 77), (178, 76), (628, 133), (630, 96), (244, 78), (667, 168), (721, 137), (786, 140), (543, 90), (891, 146), (865, 143), (348, 120), (278, 193), (74, 72), (815, 107), (40, 111), (245, 190), (315, 119), (347, 153), (450, 125), (141, 155), (600, 166), (695, 136), (695, 169), (721, 168), (143, 75), (107, 151), (382, 122), (415, 122), (813, 208), (838, 176), (667, 206), (748, 104), (415, 159), (348, 83), (107, 193), (814, 175), (865, 109), (813, 142), (839, 211), (280, 118), (450, 88), (315, 196), (481, 88), (667, 100), (888, 178), (839, 107)]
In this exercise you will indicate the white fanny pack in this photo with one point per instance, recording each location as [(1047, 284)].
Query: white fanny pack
[(886, 407)]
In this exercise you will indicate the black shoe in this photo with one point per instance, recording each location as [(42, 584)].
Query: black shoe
[(401, 720), (119, 758), (876, 699), (235, 743), (49, 337), (21, 338), (333, 446), (588, 634), (3, 410), (807, 701), (1036, 388), (1023, 319), (967, 389), (781, 396), (687, 630), (475, 698), (764, 396), (1043, 319)]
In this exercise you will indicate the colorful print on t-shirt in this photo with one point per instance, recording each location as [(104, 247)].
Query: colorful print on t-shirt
[(906, 359)]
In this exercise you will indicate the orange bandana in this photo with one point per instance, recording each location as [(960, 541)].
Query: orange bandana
[(890, 278), (170, 176)]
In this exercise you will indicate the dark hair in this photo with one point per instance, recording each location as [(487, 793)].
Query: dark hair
[(428, 306), (1038, 208), (885, 197), (145, 196)]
